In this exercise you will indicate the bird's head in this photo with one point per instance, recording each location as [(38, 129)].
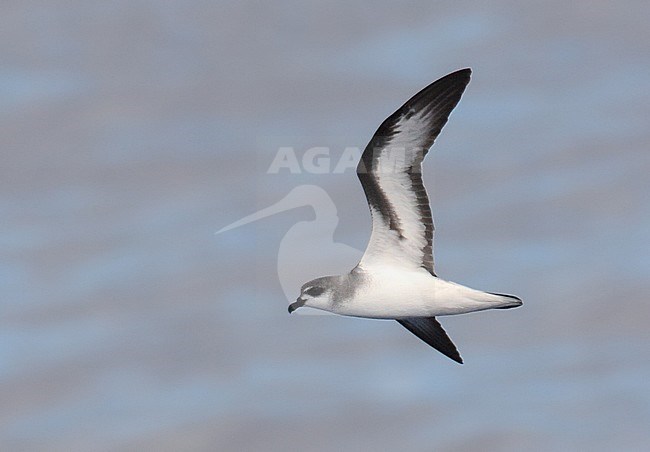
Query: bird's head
[(317, 293)]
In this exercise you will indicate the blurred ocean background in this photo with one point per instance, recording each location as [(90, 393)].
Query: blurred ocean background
[(131, 131)]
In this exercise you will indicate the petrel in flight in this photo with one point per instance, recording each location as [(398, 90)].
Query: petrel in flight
[(395, 278)]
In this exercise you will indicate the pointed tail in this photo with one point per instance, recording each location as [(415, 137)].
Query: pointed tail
[(509, 301)]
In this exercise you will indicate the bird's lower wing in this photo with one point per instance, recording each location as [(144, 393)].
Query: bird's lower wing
[(430, 331)]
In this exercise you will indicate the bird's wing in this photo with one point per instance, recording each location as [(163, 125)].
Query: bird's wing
[(430, 331), (390, 173)]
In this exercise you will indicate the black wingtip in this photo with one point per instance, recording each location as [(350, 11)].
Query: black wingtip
[(455, 357), (430, 331), (464, 73)]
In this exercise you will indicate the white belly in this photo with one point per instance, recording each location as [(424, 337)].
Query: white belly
[(393, 293)]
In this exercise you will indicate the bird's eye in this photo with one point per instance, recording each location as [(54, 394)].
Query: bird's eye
[(314, 291)]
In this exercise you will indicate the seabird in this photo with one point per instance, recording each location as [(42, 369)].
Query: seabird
[(395, 278)]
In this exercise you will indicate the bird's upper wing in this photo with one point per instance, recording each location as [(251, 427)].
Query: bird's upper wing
[(390, 173)]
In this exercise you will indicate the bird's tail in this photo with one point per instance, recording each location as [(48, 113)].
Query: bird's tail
[(509, 301)]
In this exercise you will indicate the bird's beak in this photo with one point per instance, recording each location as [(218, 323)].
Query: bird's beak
[(295, 305)]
